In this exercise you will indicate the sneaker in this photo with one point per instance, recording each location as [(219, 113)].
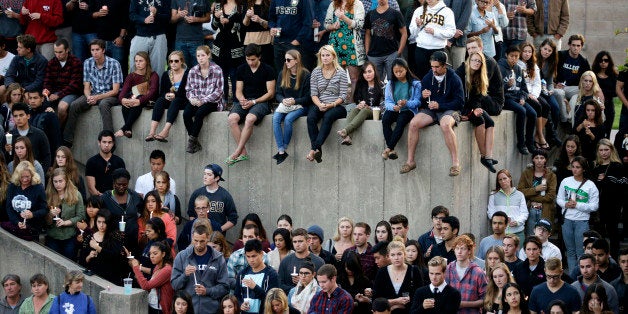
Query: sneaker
[(522, 149), (281, 157), (488, 163)]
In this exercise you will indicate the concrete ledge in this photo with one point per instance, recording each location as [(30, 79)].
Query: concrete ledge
[(28, 258), (351, 181)]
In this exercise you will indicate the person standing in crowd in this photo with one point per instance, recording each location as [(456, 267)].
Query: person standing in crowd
[(517, 30), (431, 238), (401, 103), (283, 247), (542, 231), (255, 89), (516, 94), (329, 88), (363, 249), (41, 300), (332, 298), (201, 272), (607, 270), (532, 77), (146, 182), (342, 240), (288, 276), (255, 280), (102, 78), (538, 185), (547, 61), (315, 237), (27, 68), (530, 272), (553, 289), (111, 25), (433, 24), (589, 276), (189, 19), (549, 21), (291, 23), (385, 37), (204, 92), (571, 65), (159, 283), (456, 45), (438, 296), (620, 284), (228, 48), (450, 226), (151, 19), (172, 97), (292, 91), (590, 128), (511, 248), (301, 295), (497, 276), (444, 109), (41, 18), (63, 80), (606, 75), (499, 220), (222, 208), (73, 296), (588, 89), (578, 197), (472, 282), (13, 298), (140, 87), (99, 168)]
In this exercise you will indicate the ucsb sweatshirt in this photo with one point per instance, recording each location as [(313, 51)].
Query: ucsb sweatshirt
[(441, 19)]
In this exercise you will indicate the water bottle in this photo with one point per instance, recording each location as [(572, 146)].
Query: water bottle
[(543, 182), (544, 86)]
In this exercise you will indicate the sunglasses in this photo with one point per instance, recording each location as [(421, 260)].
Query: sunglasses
[(289, 60), (605, 60), (174, 61)]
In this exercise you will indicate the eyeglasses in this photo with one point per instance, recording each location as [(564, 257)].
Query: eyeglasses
[(605, 60), (201, 208), (304, 273), (174, 61), (289, 60), (553, 277), (476, 61)]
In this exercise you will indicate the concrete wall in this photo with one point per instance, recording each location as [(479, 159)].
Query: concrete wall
[(28, 258), (597, 21), (351, 181)]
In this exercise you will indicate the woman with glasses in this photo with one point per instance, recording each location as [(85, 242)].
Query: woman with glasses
[(301, 295), (292, 91), (172, 96), (606, 73), (329, 91), (204, 91)]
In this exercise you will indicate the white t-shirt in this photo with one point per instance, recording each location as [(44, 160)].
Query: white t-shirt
[(144, 184), (5, 63)]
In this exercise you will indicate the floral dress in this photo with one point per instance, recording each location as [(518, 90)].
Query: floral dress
[(347, 42)]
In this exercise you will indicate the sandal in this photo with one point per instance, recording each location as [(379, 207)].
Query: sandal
[(150, 138), (342, 133), (128, 134), (242, 158), (160, 138), (346, 141), (386, 154), (454, 171), (393, 155), (310, 156), (407, 168), (230, 161)]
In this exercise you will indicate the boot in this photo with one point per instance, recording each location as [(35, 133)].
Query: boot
[(197, 146), (191, 144)]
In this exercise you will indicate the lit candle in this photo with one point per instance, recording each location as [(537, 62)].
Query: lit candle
[(195, 282), (104, 7), (294, 270), (151, 214)]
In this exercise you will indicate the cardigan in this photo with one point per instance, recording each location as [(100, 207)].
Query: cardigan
[(160, 281)]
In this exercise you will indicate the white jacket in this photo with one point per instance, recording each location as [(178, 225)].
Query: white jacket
[(587, 198), (443, 23)]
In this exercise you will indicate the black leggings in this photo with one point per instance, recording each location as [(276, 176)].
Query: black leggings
[(541, 107), (173, 108), (130, 115), (193, 116), (402, 119), (318, 137)]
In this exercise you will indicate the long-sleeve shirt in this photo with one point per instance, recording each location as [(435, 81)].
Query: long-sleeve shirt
[(43, 28), (587, 198), (339, 302), (135, 79), (517, 29), (139, 11), (73, 213), (294, 18), (206, 89), (66, 80), (413, 101), (301, 95), (161, 281), (329, 90), (472, 285), (448, 94), (513, 204), (441, 19), (462, 13), (29, 74)]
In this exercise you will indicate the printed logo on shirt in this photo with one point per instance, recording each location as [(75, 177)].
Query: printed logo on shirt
[(434, 18), (201, 267), (580, 196), (292, 10), (216, 207), (574, 68), (68, 308), (46, 8)]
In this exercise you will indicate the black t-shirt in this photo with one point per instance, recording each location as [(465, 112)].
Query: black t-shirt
[(101, 170), (623, 75), (255, 83), (570, 69), (384, 28)]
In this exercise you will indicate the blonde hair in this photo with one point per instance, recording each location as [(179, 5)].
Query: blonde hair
[(285, 73), (492, 290), (341, 220), (330, 49), (71, 192), (396, 244), (22, 166), (72, 276), (596, 87), (275, 294), (205, 49), (477, 79), (614, 157), (203, 221), (179, 54)]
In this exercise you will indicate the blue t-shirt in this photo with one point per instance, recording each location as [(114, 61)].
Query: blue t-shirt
[(541, 297)]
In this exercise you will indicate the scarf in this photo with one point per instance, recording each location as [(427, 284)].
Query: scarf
[(301, 300)]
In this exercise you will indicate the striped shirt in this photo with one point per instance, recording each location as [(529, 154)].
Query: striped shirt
[(102, 79), (329, 90)]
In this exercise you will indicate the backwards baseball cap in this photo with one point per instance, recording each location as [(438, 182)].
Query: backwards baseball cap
[(216, 169), (545, 224), (441, 57)]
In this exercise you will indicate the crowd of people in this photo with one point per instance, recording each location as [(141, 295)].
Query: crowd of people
[(423, 63)]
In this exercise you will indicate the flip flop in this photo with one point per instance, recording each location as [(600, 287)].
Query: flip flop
[(230, 161), (407, 168), (160, 138), (128, 134), (150, 138), (242, 158), (454, 171)]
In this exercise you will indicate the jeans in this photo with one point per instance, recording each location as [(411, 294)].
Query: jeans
[(283, 137), (383, 65), (318, 137), (554, 108), (189, 51), (521, 112), (402, 119), (572, 235), (174, 106), (193, 116), (116, 52), (63, 247), (80, 45), (534, 215)]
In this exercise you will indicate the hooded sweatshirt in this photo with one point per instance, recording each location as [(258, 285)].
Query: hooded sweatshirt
[(441, 19), (513, 204)]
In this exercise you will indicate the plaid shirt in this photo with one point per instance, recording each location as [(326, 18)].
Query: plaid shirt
[(367, 260), (472, 287), (517, 29), (340, 302), (66, 80), (237, 262), (102, 79), (206, 89)]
